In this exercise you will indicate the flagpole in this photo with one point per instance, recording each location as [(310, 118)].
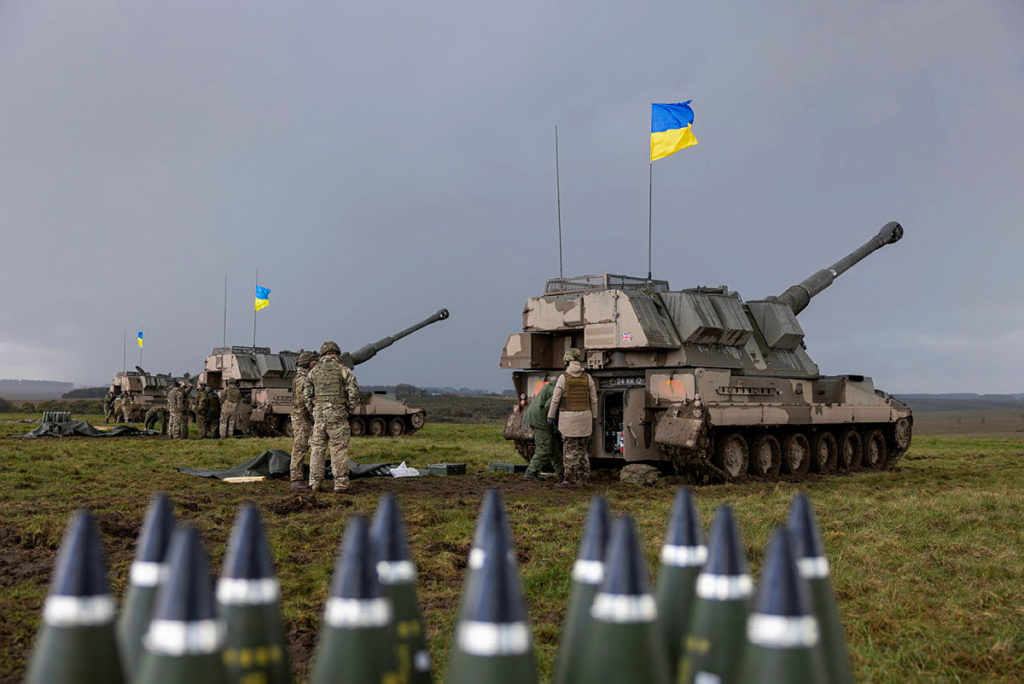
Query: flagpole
[(254, 310), (124, 350), (650, 195), (558, 194), (224, 339)]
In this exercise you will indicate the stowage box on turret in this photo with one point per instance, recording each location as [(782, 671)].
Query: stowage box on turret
[(720, 386), (265, 380)]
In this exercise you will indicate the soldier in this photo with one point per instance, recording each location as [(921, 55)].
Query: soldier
[(108, 406), (154, 414), (200, 403), (213, 412), (127, 406), (330, 392), (576, 394), (302, 419), (186, 408), (116, 405), (229, 409), (174, 398), (546, 438)]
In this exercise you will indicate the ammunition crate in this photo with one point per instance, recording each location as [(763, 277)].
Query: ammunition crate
[(506, 467), (445, 469)]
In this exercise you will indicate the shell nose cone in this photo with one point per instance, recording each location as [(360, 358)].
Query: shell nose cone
[(781, 591), (595, 532), (803, 525), (497, 596), (725, 547), (387, 533), (188, 594), (684, 521), (356, 574), (492, 512), (248, 554), (80, 569), (625, 567), (157, 528)]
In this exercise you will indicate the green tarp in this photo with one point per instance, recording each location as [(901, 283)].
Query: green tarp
[(275, 463), (80, 428)]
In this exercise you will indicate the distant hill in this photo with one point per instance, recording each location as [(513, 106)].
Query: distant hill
[(961, 402), (86, 393), (33, 389)]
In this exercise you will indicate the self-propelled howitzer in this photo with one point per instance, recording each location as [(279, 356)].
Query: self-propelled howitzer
[(265, 380), (720, 386)]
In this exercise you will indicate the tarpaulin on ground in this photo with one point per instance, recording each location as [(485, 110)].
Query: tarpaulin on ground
[(81, 428), (275, 463)]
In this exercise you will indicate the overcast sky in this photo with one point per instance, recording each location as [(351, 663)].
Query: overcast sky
[(377, 161)]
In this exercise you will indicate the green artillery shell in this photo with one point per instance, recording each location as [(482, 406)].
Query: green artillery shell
[(76, 641), (587, 576)]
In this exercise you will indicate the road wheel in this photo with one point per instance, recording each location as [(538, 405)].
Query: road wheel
[(766, 456), (417, 419), (851, 449), (357, 427), (377, 427), (796, 454), (824, 453), (732, 455), (396, 427), (874, 450), (902, 432)]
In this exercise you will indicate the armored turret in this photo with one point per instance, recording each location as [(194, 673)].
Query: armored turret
[(265, 380), (710, 381)]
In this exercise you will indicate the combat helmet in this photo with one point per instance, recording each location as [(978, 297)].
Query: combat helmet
[(306, 358), (572, 354), (329, 347)]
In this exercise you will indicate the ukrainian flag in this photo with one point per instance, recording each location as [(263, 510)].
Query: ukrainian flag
[(671, 128), (140, 339), (262, 297)]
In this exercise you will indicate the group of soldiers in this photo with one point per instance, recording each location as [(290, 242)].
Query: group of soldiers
[(215, 414), (562, 417)]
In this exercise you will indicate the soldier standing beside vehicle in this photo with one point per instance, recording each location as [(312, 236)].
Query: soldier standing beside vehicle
[(177, 405), (229, 409), (330, 392), (200, 404), (108, 406), (172, 399), (116, 407), (213, 412), (302, 419), (576, 395), (127, 405), (547, 440)]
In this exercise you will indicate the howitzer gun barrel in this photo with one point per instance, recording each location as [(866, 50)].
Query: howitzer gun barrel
[(800, 295), (363, 354)]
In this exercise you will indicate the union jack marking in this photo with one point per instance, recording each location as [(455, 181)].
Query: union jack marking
[(627, 337)]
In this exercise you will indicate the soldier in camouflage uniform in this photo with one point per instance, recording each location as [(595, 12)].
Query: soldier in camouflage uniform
[(302, 419), (108, 406), (330, 392), (177, 406), (116, 406), (229, 409), (154, 414), (127, 405), (576, 394), (213, 412), (200, 404)]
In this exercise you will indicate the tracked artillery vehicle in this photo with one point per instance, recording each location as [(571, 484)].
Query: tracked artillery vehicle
[(146, 389), (719, 387), (265, 380)]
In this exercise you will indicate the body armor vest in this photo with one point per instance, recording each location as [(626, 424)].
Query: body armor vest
[(576, 396), (328, 380)]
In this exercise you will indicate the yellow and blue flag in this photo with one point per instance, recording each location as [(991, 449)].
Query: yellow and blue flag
[(140, 339), (262, 297), (671, 128)]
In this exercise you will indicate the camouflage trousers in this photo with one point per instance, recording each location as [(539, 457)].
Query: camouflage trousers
[(547, 453), (178, 425), (202, 424), (127, 414), (576, 459), (330, 426), (302, 425), (227, 420)]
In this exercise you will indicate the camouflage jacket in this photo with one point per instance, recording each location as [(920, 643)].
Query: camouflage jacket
[(176, 400), (331, 382), (212, 402), (200, 402), (298, 389), (232, 396)]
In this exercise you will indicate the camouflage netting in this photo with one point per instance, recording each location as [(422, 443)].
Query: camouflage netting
[(81, 428), (274, 463)]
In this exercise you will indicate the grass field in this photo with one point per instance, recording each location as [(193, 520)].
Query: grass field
[(927, 561)]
